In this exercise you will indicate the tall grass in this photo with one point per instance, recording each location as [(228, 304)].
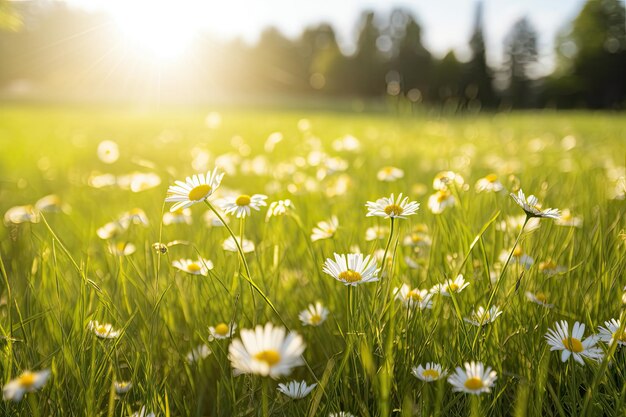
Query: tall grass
[(57, 275)]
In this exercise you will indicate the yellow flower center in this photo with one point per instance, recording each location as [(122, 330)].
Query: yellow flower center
[(102, 329), (414, 295), (541, 297), (453, 286), (388, 170), (416, 238), (430, 373), (193, 267), (474, 383), (572, 344), (199, 192), (243, 200), (315, 319), (441, 196), (566, 215), (27, 379), (221, 329), (350, 276), (548, 265), (491, 178), (270, 356), (393, 210), (517, 252)]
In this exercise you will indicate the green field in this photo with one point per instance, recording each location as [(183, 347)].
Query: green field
[(58, 274)]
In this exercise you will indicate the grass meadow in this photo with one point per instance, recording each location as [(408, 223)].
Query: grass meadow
[(59, 274)]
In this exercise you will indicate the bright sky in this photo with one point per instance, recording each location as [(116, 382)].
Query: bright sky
[(447, 24)]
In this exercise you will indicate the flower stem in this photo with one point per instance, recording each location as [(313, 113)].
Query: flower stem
[(241, 233), (247, 275), (504, 268), (264, 395)]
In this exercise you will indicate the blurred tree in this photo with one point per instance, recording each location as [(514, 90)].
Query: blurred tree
[(322, 57), (520, 52), (277, 62), (365, 71), (478, 87), (592, 57), (409, 59), (447, 78)]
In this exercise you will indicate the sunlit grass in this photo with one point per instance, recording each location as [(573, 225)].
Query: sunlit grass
[(59, 275)]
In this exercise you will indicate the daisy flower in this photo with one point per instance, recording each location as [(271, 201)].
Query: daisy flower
[(296, 390), (455, 285), (110, 230), (341, 414), (134, 216), (198, 353), (573, 345), (314, 315), (182, 215), (489, 183), (352, 269), (539, 298), (518, 257), (376, 232), (108, 152), (240, 206), (568, 219), (550, 267), (482, 317), (279, 208), (50, 204), (230, 245), (104, 330), (611, 332), (347, 143), (194, 190), (389, 174), (475, 379), (414, 297), (432, 372), (416, 239), (531, 206), (27, 382), (446, 178), (138, 181), (21, 214), (266, 351), (441, 200), (325, 229), (199, 267), (122, 248), (122, 387), (222, 331), (98, 180), (389, 207)]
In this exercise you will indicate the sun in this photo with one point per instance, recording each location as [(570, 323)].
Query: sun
[(161, 30)]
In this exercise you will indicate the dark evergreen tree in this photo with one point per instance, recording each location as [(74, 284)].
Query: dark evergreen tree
[(478, 82), (520, 52)]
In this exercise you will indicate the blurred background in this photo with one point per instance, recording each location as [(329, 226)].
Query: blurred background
[(458, 55)]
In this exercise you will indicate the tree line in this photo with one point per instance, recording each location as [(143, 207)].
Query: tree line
[(58, 45)]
